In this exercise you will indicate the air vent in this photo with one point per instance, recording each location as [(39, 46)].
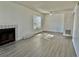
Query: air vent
[(78, 3), (68, 31)]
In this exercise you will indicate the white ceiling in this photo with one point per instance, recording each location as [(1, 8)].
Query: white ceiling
[(47, 6)]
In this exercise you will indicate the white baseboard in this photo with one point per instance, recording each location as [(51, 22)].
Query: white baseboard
[(51, 31), (30, 35), (67, 35)]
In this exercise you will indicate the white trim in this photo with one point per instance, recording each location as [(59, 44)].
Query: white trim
[(67, 35)]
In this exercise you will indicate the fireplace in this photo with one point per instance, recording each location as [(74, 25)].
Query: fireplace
[(7, 35)]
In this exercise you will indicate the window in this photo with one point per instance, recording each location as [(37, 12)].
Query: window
[(36, 22)]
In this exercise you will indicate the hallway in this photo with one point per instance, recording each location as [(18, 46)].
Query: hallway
[(41, 45)]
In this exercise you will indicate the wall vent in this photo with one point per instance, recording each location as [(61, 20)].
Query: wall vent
[(67, 31)]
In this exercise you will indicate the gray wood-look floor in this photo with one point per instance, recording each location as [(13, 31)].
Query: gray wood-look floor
[(41, 45)]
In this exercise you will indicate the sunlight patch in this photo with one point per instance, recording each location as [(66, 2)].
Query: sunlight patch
[(48, 36)]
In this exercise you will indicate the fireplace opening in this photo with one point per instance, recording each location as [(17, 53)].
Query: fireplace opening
[(7, 35)]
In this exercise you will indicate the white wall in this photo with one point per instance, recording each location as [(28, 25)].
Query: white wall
[(54, 23), (14, 14), (59, 22), (76, 30)]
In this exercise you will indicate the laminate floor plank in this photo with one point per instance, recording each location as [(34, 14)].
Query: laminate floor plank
[(41, 45)]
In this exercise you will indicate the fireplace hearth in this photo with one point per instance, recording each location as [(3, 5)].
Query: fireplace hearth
[(7, 35)]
